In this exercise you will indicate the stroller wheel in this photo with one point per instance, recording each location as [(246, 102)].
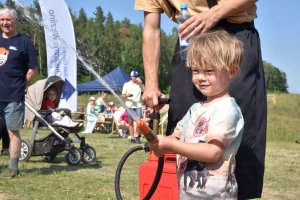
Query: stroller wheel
[(73, 157), (88, 154), (25, 152)]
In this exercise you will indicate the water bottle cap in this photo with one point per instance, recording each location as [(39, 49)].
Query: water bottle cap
[(183, 6)]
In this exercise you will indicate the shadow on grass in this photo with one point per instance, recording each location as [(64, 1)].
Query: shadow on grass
[(56, 166), (116, 137)]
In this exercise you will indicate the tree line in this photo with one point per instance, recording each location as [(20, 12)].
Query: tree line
[(106, 43)]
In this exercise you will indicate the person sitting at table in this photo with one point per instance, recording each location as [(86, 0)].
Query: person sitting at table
[(111, 108), (91, 116), (121, 121)]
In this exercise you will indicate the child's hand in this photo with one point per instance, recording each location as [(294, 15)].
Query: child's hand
[(159, 148)]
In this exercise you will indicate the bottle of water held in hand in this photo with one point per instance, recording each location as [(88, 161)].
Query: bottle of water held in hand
[(181, 18)]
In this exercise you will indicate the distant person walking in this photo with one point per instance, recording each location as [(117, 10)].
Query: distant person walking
[(132, 93)]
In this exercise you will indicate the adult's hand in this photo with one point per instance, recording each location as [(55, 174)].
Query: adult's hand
[(203, 22), (150, 97), (196, 24)]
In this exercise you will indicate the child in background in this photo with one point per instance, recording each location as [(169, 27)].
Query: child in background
[(51, 102), (124, 123), (207, 138), (111, 108), (101, 105)]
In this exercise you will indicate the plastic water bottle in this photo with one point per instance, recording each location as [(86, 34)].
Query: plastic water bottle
[(181, 18)]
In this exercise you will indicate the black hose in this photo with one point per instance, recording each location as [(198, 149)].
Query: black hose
[(160, 165), (120, 166), (159, 170)]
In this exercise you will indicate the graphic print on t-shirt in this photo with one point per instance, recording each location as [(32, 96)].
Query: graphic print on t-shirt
[(3, 56), (201, 127)]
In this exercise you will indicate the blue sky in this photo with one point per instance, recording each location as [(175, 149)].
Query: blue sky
[(277, 24)]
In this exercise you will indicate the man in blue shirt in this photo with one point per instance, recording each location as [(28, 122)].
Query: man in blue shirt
[(17, 68)]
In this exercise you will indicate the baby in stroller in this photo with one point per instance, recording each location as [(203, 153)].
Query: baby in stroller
[(60, 116), (42, 100)]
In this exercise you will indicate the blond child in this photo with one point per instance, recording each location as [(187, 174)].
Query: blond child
[(207, 138)]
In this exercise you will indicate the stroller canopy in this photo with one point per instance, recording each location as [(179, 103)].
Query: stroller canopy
[(35, 93)]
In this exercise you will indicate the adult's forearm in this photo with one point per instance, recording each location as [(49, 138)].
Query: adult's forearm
[(226, 8), (151, 50)]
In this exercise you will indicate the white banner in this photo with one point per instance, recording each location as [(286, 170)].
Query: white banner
[(61, 48)]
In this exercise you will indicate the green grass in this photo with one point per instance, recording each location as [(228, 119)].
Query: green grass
[(41, 180), (283, 117), (58, 180)]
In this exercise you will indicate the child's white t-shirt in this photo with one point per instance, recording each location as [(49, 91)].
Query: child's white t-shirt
[(224, 122)]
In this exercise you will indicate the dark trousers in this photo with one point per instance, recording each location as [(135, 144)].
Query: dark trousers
[(4, 134), (250, 93)]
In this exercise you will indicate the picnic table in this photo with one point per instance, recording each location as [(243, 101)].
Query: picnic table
[(105, 123)]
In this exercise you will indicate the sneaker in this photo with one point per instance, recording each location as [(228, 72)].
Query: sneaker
[(4, 152), (132, 140), (137, 140), (9, 173)]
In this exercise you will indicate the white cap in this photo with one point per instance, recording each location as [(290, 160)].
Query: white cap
[(134, 74), (92, 98), (111, 103)]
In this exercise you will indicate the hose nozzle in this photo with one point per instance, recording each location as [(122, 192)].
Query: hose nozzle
[(147, 132)]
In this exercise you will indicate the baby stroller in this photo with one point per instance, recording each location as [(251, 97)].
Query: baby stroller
[(58, 140)]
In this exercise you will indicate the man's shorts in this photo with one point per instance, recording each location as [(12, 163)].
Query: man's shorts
[(137, 112), (13, 112)]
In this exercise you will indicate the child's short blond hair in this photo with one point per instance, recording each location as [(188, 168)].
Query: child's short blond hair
[(216, 49)]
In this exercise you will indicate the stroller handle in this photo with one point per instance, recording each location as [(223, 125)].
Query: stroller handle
[(44, 121)]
